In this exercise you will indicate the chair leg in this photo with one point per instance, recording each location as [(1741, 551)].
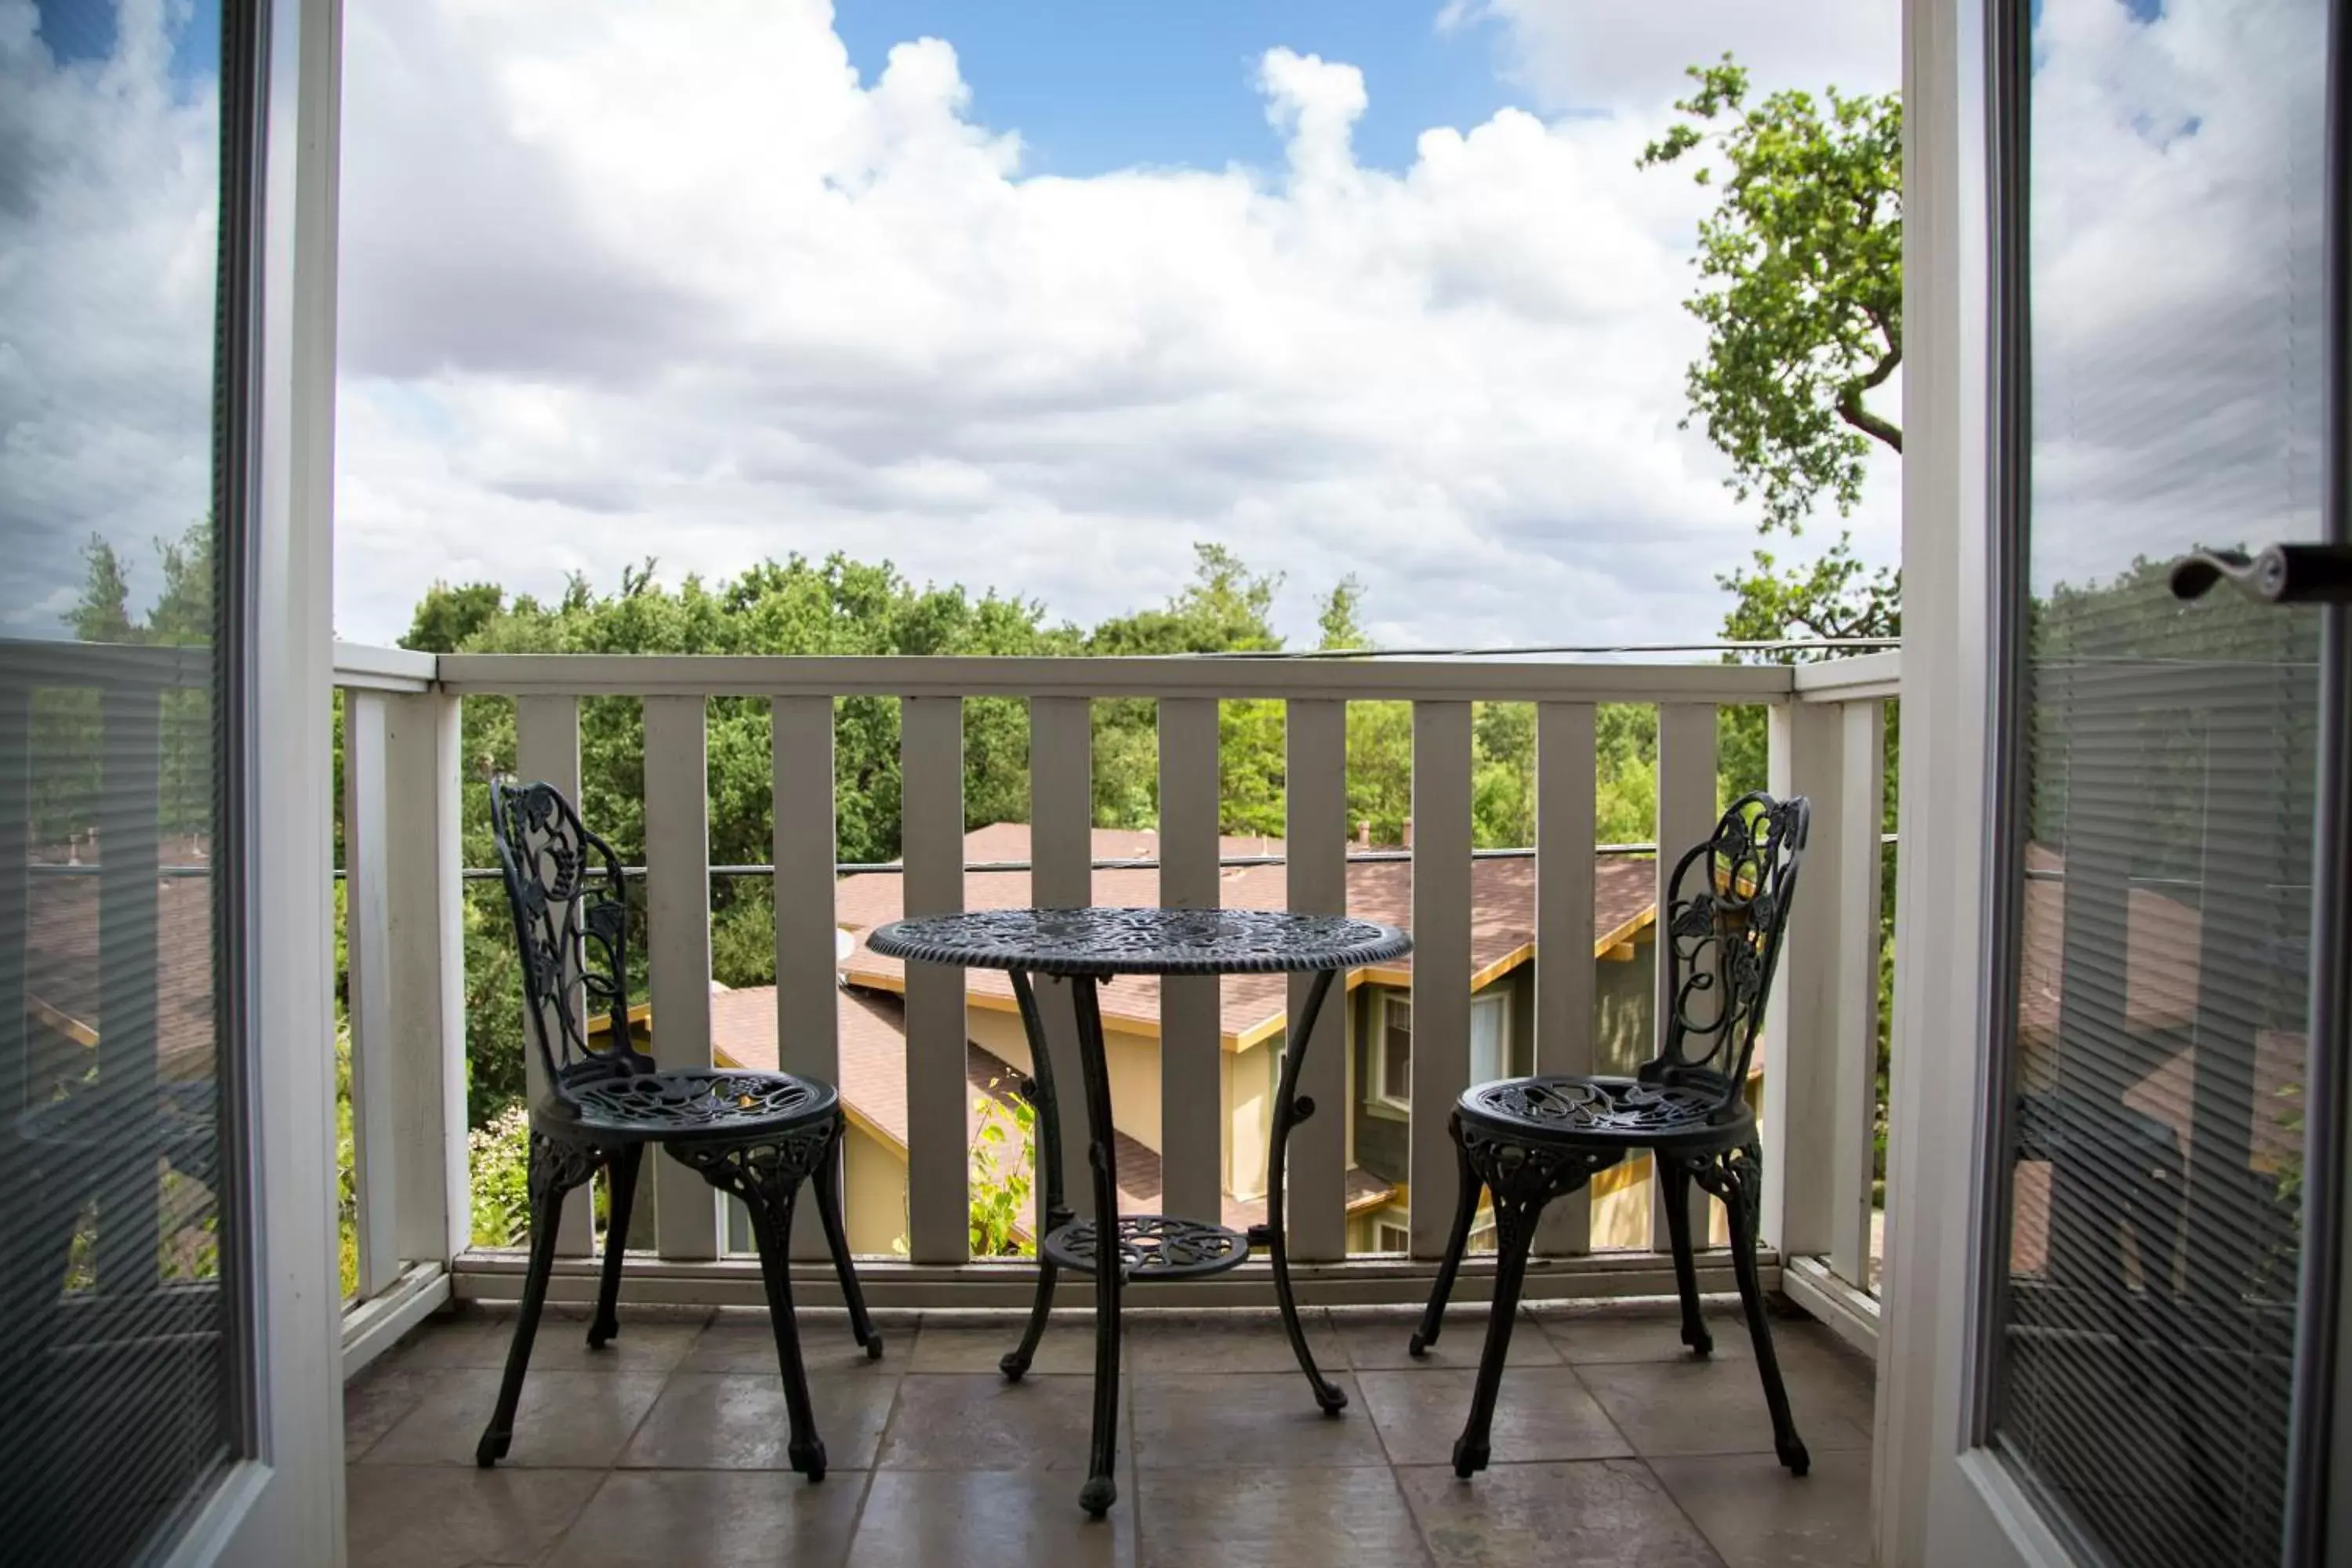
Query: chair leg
[(1738, 1180), (1676, 1180), (1465, 1211), (836, 1239), (1515, 1233), (1015, 1362), (622, 1172), (772, 1224), (556, 1168)]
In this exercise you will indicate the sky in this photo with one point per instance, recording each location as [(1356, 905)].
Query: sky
[(1036, 296)]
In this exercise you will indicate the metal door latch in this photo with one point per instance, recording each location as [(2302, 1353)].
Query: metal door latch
[(2282, 575)]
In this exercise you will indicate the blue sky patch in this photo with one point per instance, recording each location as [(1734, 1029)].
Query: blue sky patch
[(1117, 84)]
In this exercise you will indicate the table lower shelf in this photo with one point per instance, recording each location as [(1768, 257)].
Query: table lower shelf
[(1154, 1246)]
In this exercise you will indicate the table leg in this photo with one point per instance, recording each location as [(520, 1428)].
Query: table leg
[(1290, 1109), (1046, 1162), (1101, 1490)]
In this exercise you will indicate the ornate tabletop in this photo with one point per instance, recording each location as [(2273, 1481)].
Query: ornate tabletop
[(1106, 941)]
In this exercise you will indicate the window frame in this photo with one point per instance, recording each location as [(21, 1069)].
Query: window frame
[(1376, 1055)]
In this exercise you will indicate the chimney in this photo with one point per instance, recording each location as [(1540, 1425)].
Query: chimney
[(1408, 832)]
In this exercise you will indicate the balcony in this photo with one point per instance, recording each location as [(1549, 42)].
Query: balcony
[(668, 1446), (688, 1388)]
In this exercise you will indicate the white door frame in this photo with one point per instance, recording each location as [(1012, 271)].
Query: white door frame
[(284, 1503), (1939, 1497)]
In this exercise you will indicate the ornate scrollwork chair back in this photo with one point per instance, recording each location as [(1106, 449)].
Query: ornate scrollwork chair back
[(572, 929), (1525, 1142), (758, 1136), (1720, 941)]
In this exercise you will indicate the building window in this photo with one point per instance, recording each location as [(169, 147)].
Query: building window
[(1390, 1063), (1390, 1068), (1388, 1237), (1490, 1037)]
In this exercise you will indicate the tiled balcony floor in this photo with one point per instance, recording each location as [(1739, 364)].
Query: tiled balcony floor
[(667, 1448)]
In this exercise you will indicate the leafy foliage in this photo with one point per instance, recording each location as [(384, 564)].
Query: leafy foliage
[(1003, 1160), (1801, 268)]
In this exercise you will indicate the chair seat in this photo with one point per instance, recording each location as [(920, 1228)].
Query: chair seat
[(690, 1104), (1619, 1112)]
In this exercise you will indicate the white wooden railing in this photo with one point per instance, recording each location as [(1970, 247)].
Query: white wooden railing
[(405, 775)]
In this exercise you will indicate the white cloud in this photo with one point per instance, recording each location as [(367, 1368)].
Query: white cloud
[(1587, 55), (2178, 303), (107, 204), (676, 283)]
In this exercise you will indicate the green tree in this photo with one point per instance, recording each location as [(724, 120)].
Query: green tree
[(447, 617), (1801, 268)]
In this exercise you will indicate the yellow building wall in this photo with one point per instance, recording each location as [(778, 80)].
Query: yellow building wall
[(1133, 1060), (1248, 1088), (875, 1199)]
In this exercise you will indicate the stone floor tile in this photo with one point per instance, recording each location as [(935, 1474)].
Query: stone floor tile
[(1603, 1336), (1301, 1519), (649, 1340), (1717, 1407), (566, 1419), (374, 1402), (1542, 1413), (401, 1518), (980, 1422), (1760, 1516), (1019, 1518), (1383, 1343), (1067, 1347), (713, 1519), (737, 1421), (743, 1342), (1268, 1420), (1597, 1514), (1225, 1341)]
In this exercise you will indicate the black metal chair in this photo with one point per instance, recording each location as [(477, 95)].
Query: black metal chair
[(1527, 1140), (758, 1136)]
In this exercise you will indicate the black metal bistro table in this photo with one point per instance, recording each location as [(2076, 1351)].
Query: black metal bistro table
[(1085, 947)]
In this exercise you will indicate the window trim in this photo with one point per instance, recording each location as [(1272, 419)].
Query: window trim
[(1376, 1055)]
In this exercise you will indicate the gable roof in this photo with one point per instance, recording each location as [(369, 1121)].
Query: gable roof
[(1502, 919)]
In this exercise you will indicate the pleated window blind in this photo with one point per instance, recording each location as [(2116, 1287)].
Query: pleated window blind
[(120, 1362), (2155, 1031)]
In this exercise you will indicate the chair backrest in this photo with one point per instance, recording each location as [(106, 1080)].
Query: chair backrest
[(1727, 909), (572, 930)]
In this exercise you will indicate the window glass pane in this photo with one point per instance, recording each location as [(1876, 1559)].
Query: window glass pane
[(2146, 1291), (1489, 1015), (118, 1356), (1396, 1058)]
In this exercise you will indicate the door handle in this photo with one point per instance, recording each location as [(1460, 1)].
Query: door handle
[(2282, 575)]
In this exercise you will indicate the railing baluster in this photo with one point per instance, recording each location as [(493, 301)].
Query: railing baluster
[(677, 946), (1862, 809), (1441, 961), (367, 915), (547, 751), (1800, 1047), (1061, 845), (1191, 1108), (1316, 1179), (808, 1018), (1686, 810), (130, 957), (1566, 983), (939, 1139), (425, 839)]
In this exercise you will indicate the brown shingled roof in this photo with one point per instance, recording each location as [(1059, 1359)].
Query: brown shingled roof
[(1503, 914), (64, 992)]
